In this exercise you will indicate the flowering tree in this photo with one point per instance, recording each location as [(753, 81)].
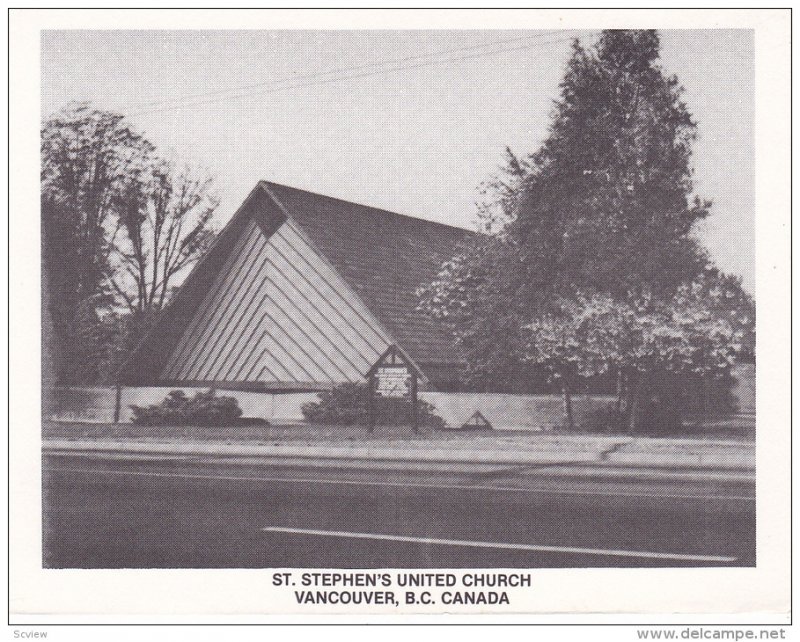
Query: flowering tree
[(475, 298), (637, 337)]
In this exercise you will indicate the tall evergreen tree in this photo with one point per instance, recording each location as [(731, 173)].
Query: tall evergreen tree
[(607, 202), (605, 205)]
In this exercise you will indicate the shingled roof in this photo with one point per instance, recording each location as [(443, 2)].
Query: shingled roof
[(385, 257)]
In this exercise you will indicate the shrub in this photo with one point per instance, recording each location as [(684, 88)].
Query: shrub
[(203, 409), (348, 405)]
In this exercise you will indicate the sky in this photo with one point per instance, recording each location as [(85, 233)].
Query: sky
[(386, 118)]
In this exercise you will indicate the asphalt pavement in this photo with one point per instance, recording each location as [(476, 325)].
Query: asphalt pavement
[(195, 512)]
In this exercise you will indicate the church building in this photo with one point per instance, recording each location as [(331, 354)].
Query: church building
[(298, 293)]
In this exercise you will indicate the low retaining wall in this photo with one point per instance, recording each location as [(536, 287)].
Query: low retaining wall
[(97, 404), (512, 412), (508, 412)]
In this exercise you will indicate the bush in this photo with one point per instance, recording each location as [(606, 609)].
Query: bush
[(348, 405), (203, 409)]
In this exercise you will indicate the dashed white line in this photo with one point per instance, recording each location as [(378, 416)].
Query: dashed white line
[(501, 545), (350, 482)]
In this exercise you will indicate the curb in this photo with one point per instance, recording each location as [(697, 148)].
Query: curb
[(708, 462)]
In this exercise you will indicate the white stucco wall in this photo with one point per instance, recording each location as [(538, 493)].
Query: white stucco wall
[(97, 404), (510, 412)]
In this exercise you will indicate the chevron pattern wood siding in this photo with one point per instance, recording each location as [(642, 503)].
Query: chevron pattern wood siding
[(277, 313)]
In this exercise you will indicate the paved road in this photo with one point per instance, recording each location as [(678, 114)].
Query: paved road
[(184, 513)]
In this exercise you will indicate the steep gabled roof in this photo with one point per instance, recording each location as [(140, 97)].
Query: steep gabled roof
[(381, 256), (384, 257)]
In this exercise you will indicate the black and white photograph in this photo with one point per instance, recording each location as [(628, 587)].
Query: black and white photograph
[(400, 317)]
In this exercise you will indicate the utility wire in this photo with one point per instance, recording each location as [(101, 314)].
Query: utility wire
[(433, 54), (270, 90)]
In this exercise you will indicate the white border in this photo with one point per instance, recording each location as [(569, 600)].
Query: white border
[(759, 594)]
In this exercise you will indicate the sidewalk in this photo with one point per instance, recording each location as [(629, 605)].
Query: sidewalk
[(605, 453)]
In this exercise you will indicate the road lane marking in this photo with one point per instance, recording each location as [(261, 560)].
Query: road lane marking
[(501, 545), (351, 482)]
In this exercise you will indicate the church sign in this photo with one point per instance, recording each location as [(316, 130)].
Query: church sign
[(393, 382), (393, 378)]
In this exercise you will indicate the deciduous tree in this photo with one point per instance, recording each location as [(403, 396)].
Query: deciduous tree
[(87, 156), (119, 226), (165, 228)]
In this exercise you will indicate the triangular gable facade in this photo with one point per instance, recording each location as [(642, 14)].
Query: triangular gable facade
[(271, 307)]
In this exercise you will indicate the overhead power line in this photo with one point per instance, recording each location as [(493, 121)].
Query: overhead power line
[(158, 103), (270, 86)]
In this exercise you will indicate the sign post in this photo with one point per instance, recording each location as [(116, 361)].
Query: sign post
[(393, 378)]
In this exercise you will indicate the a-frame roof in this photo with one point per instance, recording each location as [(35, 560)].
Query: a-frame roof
[(383, 257)]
